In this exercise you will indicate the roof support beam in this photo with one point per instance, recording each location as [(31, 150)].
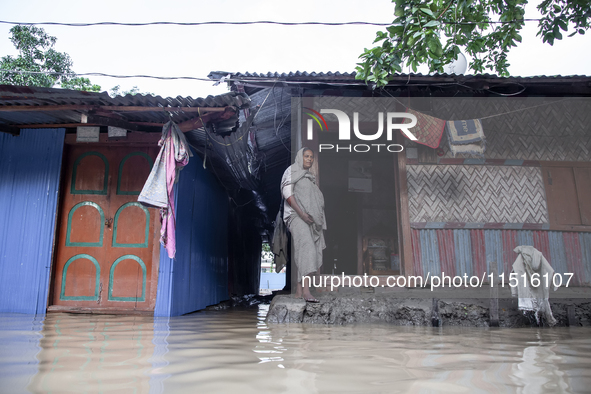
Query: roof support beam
[(104, 121), (135, 125), (199, 121), (116, 108)]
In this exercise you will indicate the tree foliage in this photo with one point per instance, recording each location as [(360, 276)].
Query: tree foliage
[(80, 83), (433, 32), (38, 63), (117, 91)]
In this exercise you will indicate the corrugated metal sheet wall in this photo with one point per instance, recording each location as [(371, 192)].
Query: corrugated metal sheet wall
[(30, 167), (460, 251), (198, 277)]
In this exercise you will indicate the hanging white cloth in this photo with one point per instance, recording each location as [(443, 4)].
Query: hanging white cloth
[(158, 190), (531, 264)]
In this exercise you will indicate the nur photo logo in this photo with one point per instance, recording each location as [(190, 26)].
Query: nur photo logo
[(389, 122)]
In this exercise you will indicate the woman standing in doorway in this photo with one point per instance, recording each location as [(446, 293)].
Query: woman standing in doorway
[(304, 216)]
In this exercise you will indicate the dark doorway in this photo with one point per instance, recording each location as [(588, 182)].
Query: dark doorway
[(360, 206)]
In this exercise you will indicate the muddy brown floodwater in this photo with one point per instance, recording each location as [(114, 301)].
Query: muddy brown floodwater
[(235, 351)]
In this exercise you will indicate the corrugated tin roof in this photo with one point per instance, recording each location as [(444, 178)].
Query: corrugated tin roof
[(337, 76), (557, 85), (26, 97)]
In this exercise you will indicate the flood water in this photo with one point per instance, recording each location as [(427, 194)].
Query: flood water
[(235, 351)]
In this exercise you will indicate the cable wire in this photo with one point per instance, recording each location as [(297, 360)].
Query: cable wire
[(313, 23), (85, 24)]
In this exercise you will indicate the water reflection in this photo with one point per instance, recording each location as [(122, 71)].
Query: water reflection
[(92, 353), (19, 346), (231, 351)]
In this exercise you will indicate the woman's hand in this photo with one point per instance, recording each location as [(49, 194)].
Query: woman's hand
[(307, 218), (303, 215)]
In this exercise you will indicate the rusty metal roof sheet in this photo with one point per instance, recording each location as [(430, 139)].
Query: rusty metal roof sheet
[(29, 98)]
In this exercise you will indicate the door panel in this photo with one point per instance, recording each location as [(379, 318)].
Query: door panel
[(85, 225), (90, 174), (81, 279), (133, 171), (127, 279), (106, 238), (129, 220)]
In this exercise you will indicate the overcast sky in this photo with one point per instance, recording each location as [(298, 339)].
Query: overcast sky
[(196, 50)]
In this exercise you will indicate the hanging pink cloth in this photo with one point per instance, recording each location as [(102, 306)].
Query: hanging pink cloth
[(159, 188)]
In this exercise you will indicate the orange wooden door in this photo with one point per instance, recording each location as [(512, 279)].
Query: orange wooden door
[(106, 238)]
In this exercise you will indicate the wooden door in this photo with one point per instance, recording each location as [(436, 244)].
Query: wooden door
[(106, 238)]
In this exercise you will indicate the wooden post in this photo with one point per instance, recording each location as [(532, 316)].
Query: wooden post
[(570, 314), (435, 313), (494, 296), (402, 201)]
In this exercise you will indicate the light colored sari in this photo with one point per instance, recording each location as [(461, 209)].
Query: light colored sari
[(307, 239)]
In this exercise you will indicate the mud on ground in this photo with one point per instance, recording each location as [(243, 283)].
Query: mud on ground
[(392, 308)]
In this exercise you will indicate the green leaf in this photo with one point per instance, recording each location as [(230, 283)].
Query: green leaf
[(432, 23), (428, 12), (435, 46)]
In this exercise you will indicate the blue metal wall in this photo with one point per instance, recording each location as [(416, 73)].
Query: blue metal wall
[(198, 276), (30, 167)]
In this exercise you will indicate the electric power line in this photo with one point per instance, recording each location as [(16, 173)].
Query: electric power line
[(104, 75), (86, 24)]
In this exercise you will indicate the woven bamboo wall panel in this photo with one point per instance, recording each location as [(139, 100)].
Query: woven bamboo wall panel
[(525, 129), (535, 128), (439, 193)]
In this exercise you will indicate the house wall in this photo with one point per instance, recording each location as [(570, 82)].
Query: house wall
[(198, 276), (465, 193), (30, 166), (524, 128), (466, 212), (472, 251)]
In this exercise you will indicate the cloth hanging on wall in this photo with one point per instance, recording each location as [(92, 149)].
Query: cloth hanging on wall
[(428, 129), (531, 264), (466, 136), (279, 242), (158, 191)]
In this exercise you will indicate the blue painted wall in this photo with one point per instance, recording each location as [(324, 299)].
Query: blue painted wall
[(30, 166), (272, 280), (198, 276)]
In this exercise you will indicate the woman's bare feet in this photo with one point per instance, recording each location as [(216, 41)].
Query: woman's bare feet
[(304, 292)]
